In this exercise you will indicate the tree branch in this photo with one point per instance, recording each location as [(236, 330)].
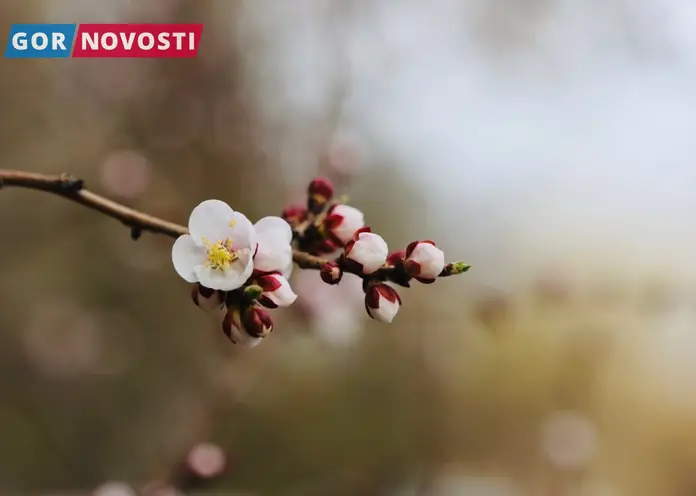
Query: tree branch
[(72, 188)]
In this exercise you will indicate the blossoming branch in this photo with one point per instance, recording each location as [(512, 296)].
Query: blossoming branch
[(240, 269)]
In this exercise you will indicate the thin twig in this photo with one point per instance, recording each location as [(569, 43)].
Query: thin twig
[(72, 188)]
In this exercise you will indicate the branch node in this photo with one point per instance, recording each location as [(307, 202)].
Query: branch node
[(135, 233), (71, 184)]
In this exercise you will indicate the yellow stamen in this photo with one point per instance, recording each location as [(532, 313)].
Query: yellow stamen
[(220, 254)]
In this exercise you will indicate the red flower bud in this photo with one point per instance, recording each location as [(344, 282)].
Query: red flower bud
[(382, 302), (341, 223), (320, 192), (294, 214), (257, 322), (276, 291), (321, 187), (424, 261), (207, 299), (395, 258), (331, 273), (248, 326), (367, 251)]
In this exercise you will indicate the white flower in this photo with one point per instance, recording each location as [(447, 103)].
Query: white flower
[(219, 249), (368, 250), (342, 221), (424, 260), (382, 302), (276, 291), (274, 252), (288, 272)]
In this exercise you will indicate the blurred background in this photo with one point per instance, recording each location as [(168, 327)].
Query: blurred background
[(549, 143)]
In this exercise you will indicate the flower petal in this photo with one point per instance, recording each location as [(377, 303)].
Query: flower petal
[(382, 303), (346, 220), (243, 233), (274, 226), (370, 250), (274, 253), (283, 295), (426, 260), (241, 338), (387, 311), (208, 300), (211, 220), (230, 279), (288, 270), (186, 256)]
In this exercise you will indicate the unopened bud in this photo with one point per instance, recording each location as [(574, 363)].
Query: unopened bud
[(459, 268), (256, 322), (424, 261), (320, 192), (276, 291), (253, 292), (235, 331), (207, 299), (341, 223), (395, 258), (367, 250), (454, 268), (294, 214), (382, 302), (331, 273)]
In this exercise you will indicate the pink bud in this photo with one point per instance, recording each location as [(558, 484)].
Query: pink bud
[(294, 214), (342, 221), (382, 302), (236, 330), (257, 322), (367, 250), (424, 261), (331, 273), (206, 298), (276, 291), (395, 258), (320, 191)]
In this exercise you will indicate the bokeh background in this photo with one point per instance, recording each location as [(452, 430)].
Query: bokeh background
[(549, 143)]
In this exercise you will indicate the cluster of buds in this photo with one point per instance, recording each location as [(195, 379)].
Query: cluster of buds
[(323, 227), (238, 269), (327, 228), (241, 269)]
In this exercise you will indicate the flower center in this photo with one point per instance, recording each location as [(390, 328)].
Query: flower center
[(220, 255)]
